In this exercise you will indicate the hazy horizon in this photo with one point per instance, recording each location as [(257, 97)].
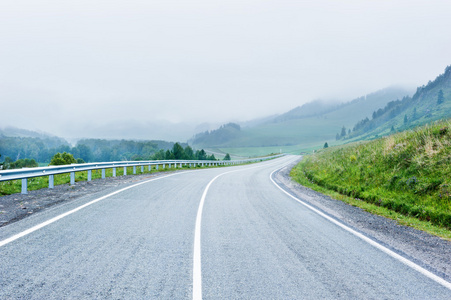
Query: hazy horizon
[(78, 69)]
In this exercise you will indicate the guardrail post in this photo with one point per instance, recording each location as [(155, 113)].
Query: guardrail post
[(89, 175), (180, 165), (24, 186), (134, 169), (169, 166), (114, 172), (51, 181), (125, 170), (103, 173), (156, 167), (72, 178), (150, 168), (164, 166)]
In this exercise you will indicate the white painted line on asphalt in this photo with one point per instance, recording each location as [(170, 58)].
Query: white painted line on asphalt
[(59, 217), (393, 254), (197, 271), (197, 268)]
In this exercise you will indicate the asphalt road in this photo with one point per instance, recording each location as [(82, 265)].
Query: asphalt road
[(256, 242)]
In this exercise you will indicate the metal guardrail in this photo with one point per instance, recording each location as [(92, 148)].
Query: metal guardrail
[(51, 171)]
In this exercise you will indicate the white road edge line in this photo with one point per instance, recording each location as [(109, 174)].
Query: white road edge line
[(54, 219), (197, 266), (396, 256)]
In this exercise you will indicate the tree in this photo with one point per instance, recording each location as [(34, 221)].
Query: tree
[(178, 151), (326, 145), (159, 155), (189, 153), (201, 155), (227, 157), (62, 159), (84, 152), (405, 119), (440, 97), (392, 129), (414, 115), (337, 137), (18, 164), (169, 155), (343, 132)]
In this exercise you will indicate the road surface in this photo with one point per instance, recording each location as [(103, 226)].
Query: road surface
[(223, 233)]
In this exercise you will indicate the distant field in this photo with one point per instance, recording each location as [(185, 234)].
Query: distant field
[(246, 152), (260, 151)]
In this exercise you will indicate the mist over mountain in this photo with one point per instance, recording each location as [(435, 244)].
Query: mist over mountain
[(302, 126)]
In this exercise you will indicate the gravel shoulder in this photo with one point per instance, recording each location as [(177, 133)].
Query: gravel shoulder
[(430, 252)]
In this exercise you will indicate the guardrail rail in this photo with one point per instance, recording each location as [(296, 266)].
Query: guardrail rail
[(25, 173)]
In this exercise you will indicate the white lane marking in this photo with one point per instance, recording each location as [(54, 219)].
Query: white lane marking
[(197, 268), (197, 272), (52, 220), (396, 256)]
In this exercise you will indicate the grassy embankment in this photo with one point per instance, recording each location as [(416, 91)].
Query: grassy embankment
[(36, 183), (405, 176)]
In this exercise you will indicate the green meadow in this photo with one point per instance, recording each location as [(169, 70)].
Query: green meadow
[(408, 173)]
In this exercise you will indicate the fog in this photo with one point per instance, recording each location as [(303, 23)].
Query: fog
[(123, 68)]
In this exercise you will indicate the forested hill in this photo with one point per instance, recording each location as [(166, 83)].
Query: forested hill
[(431, 102), (119, 150), (222, 135), (364, 105), (41, 148)]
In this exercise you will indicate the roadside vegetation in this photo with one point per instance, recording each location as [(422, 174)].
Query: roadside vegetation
[(177, 152), (408, 173), (14, 186)]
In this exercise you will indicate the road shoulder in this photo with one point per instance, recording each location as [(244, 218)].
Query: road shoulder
[(428, 251)]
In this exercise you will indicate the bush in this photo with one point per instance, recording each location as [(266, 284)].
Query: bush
[(62, 159)]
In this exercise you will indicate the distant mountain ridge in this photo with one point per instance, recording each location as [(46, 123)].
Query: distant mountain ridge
[(310, 123)]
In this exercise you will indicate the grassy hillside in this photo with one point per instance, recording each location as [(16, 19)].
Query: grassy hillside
[(408, 172), (422, 108), (295, 130)]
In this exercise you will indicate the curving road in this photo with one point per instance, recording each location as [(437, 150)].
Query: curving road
[(223, 233)]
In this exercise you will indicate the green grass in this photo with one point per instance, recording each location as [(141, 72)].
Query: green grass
[(36, 183), (408, 173), (306, 147)]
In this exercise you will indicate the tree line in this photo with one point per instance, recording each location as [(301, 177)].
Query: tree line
[(28, 152)]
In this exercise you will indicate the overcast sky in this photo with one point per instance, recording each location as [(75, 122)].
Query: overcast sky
[(66, 63)]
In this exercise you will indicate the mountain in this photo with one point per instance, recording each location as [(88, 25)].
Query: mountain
[(431, 102), (48, 140), (304, 127), (310, 109), (133, 130)]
